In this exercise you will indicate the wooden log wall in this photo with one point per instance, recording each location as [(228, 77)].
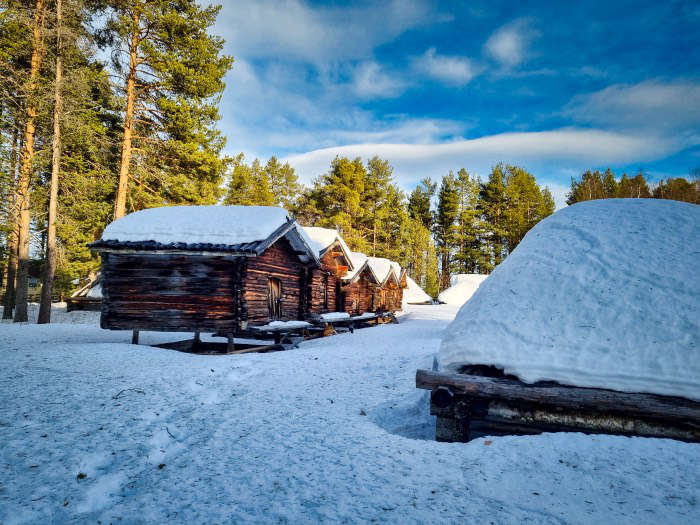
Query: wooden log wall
[(177, 293), (317, 304), (278, 261), (359, 296), (469, 406)]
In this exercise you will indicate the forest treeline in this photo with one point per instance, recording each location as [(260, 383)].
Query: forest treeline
[(594, 184), (459, 224), (111, 106)]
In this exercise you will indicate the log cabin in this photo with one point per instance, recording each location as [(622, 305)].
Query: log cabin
[(325, 283), (204, 269), (375, 286)]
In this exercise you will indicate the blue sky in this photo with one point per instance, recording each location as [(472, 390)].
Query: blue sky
[(556, 87)]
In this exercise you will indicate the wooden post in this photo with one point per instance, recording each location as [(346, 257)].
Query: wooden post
[(230, 345), (135, 337), (197, 338)]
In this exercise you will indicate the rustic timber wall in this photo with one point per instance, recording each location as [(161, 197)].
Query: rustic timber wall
[(173, 293), (278, 261), (316, 301), (359, 296)]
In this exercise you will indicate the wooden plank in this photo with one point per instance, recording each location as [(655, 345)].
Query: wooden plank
[(663, 408)]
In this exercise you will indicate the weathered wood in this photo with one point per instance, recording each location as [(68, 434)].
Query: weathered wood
[(662, 408), (135, 337)]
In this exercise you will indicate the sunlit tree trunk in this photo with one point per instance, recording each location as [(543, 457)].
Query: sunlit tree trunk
[(50, 269), (8, 300), (25, 168), (120, 202)]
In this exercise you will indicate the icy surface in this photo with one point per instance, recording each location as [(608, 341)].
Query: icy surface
[(413, 293), (322, 434), (227, 225), (601, 294), (462, 287)]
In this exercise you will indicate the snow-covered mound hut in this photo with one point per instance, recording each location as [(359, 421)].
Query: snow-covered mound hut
[(204, 268), (414, 294), (601, 294), (462, 287), (336, 262)]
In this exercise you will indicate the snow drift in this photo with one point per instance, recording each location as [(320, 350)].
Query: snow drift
[(414, 294), (601, 294), (462, 287)]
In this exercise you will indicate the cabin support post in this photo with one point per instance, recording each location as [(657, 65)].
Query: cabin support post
[(230, 345), (197, 338), (134, 337)]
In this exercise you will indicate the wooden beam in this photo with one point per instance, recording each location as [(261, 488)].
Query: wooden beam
[(663, 408)]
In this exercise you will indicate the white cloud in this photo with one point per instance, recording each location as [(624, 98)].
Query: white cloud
[(651, 105), (453, 70), (370, 81), (508, 44), (284, 29), (550, 155)]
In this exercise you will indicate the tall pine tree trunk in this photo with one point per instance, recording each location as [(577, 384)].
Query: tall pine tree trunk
[(120, 202), (8, 300), (25, 168), (50, 269)]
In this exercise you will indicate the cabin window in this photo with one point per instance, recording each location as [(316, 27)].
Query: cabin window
[(274, 298)]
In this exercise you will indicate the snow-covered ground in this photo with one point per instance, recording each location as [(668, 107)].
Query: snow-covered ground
[(95, 429)]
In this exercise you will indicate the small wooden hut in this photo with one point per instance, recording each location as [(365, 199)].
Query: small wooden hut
[(375, 286), (204, 269), (335, 257), (88, 297)]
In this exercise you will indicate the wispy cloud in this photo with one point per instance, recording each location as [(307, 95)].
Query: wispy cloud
[(569, 148), (654, 105), (454, 70), (369, 80), (508, 45), (296, 29)]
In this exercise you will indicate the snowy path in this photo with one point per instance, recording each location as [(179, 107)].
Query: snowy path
[(164, 436)]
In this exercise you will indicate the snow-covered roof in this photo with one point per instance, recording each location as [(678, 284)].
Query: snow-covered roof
[(414, 294), (383, 268), (462, 287), (211, 228), (601, 294), (358, 263), (324, 238)]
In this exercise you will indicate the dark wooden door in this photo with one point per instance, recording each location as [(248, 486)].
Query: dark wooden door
[(274, 298)]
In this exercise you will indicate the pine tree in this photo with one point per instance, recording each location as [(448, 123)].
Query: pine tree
[(378, 203), (526, 204), (492, 208), (26, 160), (633, 187), (240, 183), (466, 258), (445, 227), (174, 76), (261, 192), (678, 189), (420, 202), (50, 265)]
